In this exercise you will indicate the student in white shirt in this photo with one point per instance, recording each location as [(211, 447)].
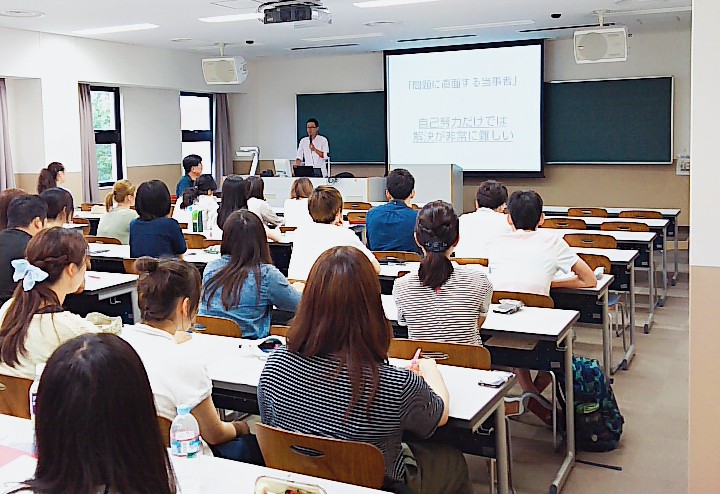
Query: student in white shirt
[(169, 297), (258, 205), (326, 231), (313, 150), (296, 208), (485, 223), (201, 197), (526, 260)]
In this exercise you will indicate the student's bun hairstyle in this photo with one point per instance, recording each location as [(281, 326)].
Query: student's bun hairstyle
[(436, 230), (400, 184), (162, 283), (491, 194), (525, 208), (235, 193), (60, 204), (152, 200), (6, 197), (324, 204), (48, 176), (204, 184), (121, 190), (301, 188)]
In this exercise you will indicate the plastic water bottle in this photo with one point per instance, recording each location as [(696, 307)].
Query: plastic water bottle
[(185, 434), (39, 368)]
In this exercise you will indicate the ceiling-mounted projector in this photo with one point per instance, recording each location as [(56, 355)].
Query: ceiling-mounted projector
[(294, 11)]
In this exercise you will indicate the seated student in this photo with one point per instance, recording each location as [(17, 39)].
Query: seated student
[(201, 197), (26, 218), (153, 234), (296, 208), (94, 394), (169, 294), (230, 284), (391, 226), (60, 206), (257, 203), (115, 223), (333, 379), (526, 260), (442, 301), (193, 166), (51, 177), (34, 322), (6, 197), (327, 230), (488, 220), (235, 192)]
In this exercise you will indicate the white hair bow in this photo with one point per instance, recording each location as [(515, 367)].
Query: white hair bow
[(28, 273)]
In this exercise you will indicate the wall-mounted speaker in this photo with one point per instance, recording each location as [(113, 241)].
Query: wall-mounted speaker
[(601, 44), (224, 70)]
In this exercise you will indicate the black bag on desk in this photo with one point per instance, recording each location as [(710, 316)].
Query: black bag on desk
[(598, 421)]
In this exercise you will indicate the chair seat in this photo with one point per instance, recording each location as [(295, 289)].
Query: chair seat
[(613, 299)]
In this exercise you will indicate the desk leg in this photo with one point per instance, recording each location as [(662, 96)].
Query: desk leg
[(631, 349), (607, 339), (569, 461), (675, 254), (136, 306), (661, 302), (651, 294), (501, 449)]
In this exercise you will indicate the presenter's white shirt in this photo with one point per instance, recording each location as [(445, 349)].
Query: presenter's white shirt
[(527, 261), (310, 241), (477, 229), (311, 158)]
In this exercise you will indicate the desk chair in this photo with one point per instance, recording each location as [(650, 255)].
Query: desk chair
[(183, 226), (285, 229), (14, 396), (402, 273), (129, 265), (279, 330), (357, 217), (415, 206), (218, 326), (102, 240), (642, 215), (571, 223), (343, 461), (397, 254), (85, 223), (87, 206), (211, 243), (194, 240), (164, 425), (470, 260), (590, 240), (597, 212), (359, 205)]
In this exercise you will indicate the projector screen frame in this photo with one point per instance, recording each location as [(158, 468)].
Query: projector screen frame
[(465, 47)]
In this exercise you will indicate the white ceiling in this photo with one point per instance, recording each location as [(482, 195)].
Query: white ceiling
[(179, 19)]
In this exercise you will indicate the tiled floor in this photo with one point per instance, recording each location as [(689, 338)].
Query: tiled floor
[(652, 396)]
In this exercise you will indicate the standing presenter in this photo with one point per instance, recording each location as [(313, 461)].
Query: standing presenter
[(314, 149)]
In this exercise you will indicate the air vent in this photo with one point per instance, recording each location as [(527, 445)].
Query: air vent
[(560, 28), (322, 47), (436, 38)]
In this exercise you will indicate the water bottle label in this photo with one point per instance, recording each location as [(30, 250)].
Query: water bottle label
[(188, 447)]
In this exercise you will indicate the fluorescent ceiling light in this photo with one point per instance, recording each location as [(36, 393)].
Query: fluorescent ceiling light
[(388, 3), (485, 26), (637, 2), (233, 18), (664, 10), (115, 29), (345, 36)]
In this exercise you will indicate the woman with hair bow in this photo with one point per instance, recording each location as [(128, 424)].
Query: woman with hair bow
[(33, 322)]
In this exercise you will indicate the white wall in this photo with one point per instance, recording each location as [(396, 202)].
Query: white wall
[(25, 119)]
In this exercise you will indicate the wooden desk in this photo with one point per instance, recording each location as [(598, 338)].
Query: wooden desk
[(203, 474), (113, 294)]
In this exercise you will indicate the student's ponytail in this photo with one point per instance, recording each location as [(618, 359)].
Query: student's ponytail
[(204, 184), (121, 190), (436, 231), (109, 201), (48, 176), (189, 196)]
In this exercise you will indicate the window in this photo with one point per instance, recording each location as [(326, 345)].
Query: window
[(106, 123), (196, 117)]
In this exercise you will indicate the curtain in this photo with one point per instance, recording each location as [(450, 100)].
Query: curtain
[(223, 148), (88, 154), (7, 175)]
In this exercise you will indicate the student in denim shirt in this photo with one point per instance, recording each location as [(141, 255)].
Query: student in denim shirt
[(230, 288)]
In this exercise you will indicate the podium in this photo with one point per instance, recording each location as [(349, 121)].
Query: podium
[(437, 182), (372, 189)]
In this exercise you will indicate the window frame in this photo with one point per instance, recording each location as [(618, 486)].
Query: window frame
[(111, 136), (202, 135)]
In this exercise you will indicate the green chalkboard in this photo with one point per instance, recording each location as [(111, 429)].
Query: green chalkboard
[(354, 124), (609, 121)]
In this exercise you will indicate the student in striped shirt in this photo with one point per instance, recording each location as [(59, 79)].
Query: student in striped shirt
[(333, 379), (442, 301)]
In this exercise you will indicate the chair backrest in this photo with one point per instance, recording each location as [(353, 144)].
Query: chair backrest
[(624, 226), (86, 225), (597, 212), (87, 206), (15, 396), (285, 229), (357, 205), (343, 461), (572, 223), (415, 206), (218, 326), (470, 260), (279, 330), (357, 217), (129, 265), (596, 260), (194, 240), (211, 243), (590, 240), (183, 226), (529, 299), (402, 273), (164, 425), (458, 354), (643, 215), (102, 240), (398, 254)]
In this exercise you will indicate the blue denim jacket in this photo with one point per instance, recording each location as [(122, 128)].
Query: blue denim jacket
[(251, 314)]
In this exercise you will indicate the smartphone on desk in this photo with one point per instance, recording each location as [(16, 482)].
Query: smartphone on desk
[(506, 309)]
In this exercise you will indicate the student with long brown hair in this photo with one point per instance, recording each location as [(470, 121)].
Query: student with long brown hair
[(51, 176), (96, 424), (258, 205), (34, 322), (295, 210), (115, 223), (333, 379), (235, 190), (169, 295), (243, 285)]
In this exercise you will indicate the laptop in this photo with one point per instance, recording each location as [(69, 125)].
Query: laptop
[(307, 171)]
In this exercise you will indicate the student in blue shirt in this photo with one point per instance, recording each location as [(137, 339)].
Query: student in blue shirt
[(243, 285), (192, 164), (392, 225), (153, 233)]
